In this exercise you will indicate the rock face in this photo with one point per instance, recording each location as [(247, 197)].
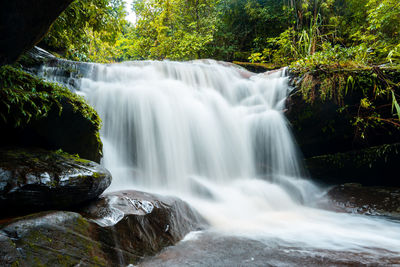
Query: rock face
[(70, 131), (117, 230), (344, 125), (324, 105), (371, 166), (355, 198), (318, 127), (24, 23), (39, 179)]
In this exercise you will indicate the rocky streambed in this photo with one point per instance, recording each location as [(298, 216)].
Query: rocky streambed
[(73, 225)]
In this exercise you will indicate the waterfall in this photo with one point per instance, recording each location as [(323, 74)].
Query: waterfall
[(166, 123), (215, 135)]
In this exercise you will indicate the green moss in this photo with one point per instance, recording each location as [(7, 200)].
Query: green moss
[(96, 175), (257, 67), (98, 140), (25, 97), (74, 157)]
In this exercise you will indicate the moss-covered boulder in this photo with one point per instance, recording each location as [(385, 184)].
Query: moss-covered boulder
[(54, 238), (35, 113), (24, 23), (338, 110), (117, 230), (372, 200), (373, 166), (40, 179)]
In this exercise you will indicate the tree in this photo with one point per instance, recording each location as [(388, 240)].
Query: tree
[(171, 29), (87, 30)]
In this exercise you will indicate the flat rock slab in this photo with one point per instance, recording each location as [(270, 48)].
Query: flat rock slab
[(213, 249), (117, 230), (369, 200), (40, 179)]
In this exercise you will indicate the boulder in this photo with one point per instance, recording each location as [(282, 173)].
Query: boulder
[(117, 230), (35, 113), (40, 179), (370, 200), (54, 238), (374, 166), (70, 131), (24, 23)]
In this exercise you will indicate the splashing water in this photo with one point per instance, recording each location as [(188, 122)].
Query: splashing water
[(216, 135)]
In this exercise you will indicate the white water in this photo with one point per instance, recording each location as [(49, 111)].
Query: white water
[(217, 138)]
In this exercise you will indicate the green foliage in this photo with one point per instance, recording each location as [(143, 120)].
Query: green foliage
[(245, 26), (336, 33), (369, 94), (169, 29), (395, 105), (24, 97), (304, 33), (87, 30)]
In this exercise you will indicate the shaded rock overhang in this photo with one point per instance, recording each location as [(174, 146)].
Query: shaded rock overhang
[(23, 23)]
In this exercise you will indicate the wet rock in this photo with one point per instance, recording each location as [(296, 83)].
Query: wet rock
[(117, 230), (374, 166), (40, 179), (66, 72), (318, 127), (142, 223), (24, 23), (355, 198), (213, 249), (49, 239)]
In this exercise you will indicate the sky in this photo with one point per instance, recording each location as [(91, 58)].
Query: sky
[(131, 17)]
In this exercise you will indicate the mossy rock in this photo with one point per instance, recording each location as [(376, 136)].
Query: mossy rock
[(339, 110), (54, 238), (257, 67), (40, 179), (119, 229), (41, 114)]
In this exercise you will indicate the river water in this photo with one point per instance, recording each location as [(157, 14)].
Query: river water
[(216, 136)]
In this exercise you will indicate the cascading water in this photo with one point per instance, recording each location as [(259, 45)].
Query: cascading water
[(216, 135), (169, 121)]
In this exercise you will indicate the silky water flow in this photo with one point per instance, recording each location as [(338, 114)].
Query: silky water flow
[(216, 136)]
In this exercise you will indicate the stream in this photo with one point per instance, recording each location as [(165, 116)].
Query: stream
[(216, 136)]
